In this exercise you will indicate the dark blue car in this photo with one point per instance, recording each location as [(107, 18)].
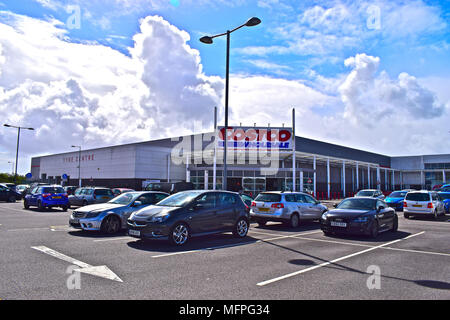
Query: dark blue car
[(395, 199), (47, 196), (445, 197)]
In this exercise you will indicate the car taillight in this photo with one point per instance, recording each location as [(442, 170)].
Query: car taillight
[(247, 208), (45, 195), (278, 205), (404, 204), (65, 195), (430, 205), (253, 204)]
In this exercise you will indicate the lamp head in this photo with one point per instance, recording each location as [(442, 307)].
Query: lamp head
[(206, 39), (253, 22)]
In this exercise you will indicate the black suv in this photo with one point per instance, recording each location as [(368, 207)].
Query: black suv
[(191, 213)]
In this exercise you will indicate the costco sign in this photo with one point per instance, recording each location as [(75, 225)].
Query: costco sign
[(251, 138)]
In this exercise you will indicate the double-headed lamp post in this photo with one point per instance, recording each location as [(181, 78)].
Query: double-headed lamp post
[(79, 164), (17, 148), (209, 40)]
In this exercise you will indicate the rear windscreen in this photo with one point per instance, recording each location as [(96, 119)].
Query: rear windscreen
[(418, 197), (102, 192), (53, 190), (268, 197)]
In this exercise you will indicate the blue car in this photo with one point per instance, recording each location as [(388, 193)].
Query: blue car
[(445, 197), (47, 196), (395, 199)]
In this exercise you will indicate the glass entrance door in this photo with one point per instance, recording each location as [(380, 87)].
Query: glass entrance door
[(253, 186)]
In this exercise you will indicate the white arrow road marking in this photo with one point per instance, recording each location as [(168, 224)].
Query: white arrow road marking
[(100, 271)]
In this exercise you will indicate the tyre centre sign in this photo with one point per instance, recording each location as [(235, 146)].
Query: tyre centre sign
[(253, 138)]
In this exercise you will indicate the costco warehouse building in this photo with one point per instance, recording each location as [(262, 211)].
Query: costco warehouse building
[(321, 168)]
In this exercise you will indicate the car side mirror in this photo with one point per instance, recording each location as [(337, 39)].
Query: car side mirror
[(198, 206), (379, 209), (137, 203), (335, 205)]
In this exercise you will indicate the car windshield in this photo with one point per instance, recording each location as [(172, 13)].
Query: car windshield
[(178, 199), (398, 194), (53, 190), (417, 196), (357, 204), (444, 196), (365, 194), (124, 198), (268, 197)]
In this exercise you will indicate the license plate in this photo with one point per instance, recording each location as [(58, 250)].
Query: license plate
[(338, 224), (264, 209), (75, 221), (417, 206), (56, 197), (134, 233), (105, 198)]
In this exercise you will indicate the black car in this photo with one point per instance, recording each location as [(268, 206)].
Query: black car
[(362, 215), (191, 213), (170, 187), (8, 194)]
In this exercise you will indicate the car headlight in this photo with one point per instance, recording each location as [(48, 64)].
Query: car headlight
[(159, 219), (361, 219), (324, 216), (93, 214)]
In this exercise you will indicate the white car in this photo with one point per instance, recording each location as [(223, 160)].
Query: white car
[(423, 202), (373, 193)]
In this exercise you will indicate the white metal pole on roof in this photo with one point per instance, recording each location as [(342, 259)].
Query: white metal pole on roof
[(293, 150), (301, 181), (206, 180), (368, 176), (444, 180), (385, 179), (215, 149)]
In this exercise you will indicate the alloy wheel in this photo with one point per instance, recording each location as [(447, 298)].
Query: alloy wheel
[(180, 234)]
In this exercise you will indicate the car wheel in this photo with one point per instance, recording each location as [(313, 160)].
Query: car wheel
[(110, 225), (395, 225), (64, 208), (406, 215), (374, 229), (179, 234), (25, 204), (295, 221), (241, 228), (40, 206)]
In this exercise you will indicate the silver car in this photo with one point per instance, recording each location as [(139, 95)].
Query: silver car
[(419, 203), (287, 207), (110, 217), (89, 195), (373, 193)]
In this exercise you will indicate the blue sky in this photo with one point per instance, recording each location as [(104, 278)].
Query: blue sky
[(113, 23), (366, 74)]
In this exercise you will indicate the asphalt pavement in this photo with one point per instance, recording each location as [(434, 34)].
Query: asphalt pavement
[(39, 253)]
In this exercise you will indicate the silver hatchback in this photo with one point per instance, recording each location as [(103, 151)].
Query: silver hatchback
[(287, 207), (90, 195)]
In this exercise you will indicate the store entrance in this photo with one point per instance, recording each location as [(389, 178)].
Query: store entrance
[(234, 184)]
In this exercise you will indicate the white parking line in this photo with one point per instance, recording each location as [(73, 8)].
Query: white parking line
[(263, 283), (114, 239)]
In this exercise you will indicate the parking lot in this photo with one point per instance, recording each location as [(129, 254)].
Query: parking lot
[(272, 262)]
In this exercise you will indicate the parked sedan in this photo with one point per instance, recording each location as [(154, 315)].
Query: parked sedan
[(395, 199), (7, 194), (48, 196), (445, 197), (191, 213), (361, 215), (370, 193), (118, 191), (90, 195), (112, 216)]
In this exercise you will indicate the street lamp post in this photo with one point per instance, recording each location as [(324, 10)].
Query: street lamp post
[(79, 164), (17, 148), (209, 40)]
